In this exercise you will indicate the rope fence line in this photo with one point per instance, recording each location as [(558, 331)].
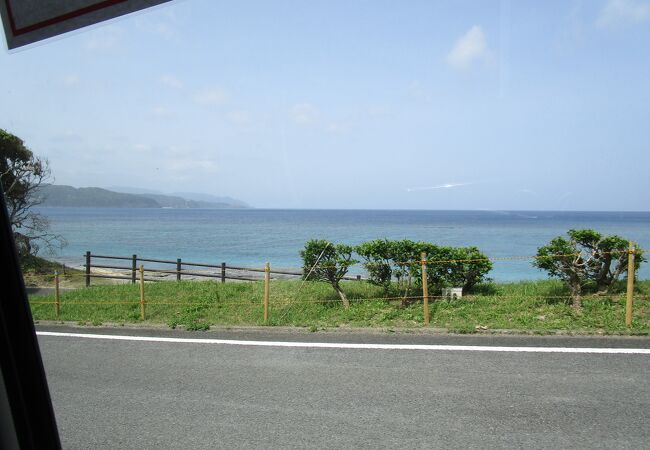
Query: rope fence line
[(85, 303), (326, 301), (134, 303), (71, 276), (219, 301), (410, 297), (284, 314), (211, 274), (494, 258), (223, 276), (469, 298), (292, 300), (220, 271)]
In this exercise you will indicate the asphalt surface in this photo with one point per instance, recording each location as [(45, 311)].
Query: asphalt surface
[(130, 394)]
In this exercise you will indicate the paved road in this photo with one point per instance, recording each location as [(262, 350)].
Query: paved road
[(132, 394)]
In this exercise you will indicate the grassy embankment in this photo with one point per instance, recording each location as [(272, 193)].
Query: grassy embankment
[(40, 272), (524, 306)]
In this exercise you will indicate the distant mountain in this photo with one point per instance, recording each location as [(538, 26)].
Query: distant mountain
[(211, 198), (132, 190), (172, 201), (202, 198), (61, 195)]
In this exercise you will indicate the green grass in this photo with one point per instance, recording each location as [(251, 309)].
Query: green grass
[(39, 271), (525, 306)]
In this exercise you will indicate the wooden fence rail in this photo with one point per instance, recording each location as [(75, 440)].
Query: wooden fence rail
[(267, 278), (220, 270)]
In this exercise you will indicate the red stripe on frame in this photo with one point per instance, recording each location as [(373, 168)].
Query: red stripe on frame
[(58, 19)]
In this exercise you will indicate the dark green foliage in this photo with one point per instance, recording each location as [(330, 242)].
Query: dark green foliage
[(587, 259), (324, 261), (21, 175), (379, 261), (16, 160), (405, 254), (446, 266), (387, 260), (454, 267), (61, 195)]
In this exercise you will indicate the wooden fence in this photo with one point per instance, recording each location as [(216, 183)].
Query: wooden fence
[(266, 277), (221, 271)]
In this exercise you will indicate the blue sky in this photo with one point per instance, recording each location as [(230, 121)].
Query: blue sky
[(349, 104)]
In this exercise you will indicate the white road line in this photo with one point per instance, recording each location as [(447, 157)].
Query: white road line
[(462, 348)]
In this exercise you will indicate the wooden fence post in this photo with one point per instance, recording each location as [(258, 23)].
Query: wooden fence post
[(134, 267), (223, 272), (425, 289), (57, 299), (267, 281), (87, 269), (142, 314), (630, 284), (178, 269)]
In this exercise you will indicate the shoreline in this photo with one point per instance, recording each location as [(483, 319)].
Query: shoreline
[(232, 274), (158, 276), (257, 274)]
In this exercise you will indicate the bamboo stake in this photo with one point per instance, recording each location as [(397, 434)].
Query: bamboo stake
[(57, 299), (267, 280), (630, 285), (425, 289), (142, 314)]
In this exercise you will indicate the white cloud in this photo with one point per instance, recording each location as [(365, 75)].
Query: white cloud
[(68, 137), (304, 114), (188, 167), (171, 81), (141, 147), (377, 110), (239, 117), (469, 48), (162, 29), (104, 38), (177, 151), (440, 186), (165, 30), (338, 127), (161, 111), (419, 92), (622, 12), (160, 23), (213, 96), (71, 80)]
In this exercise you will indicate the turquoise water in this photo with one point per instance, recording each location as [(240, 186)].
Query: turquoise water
[(250, 237)]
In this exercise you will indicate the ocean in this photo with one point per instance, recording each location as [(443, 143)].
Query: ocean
[(250, 237)]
